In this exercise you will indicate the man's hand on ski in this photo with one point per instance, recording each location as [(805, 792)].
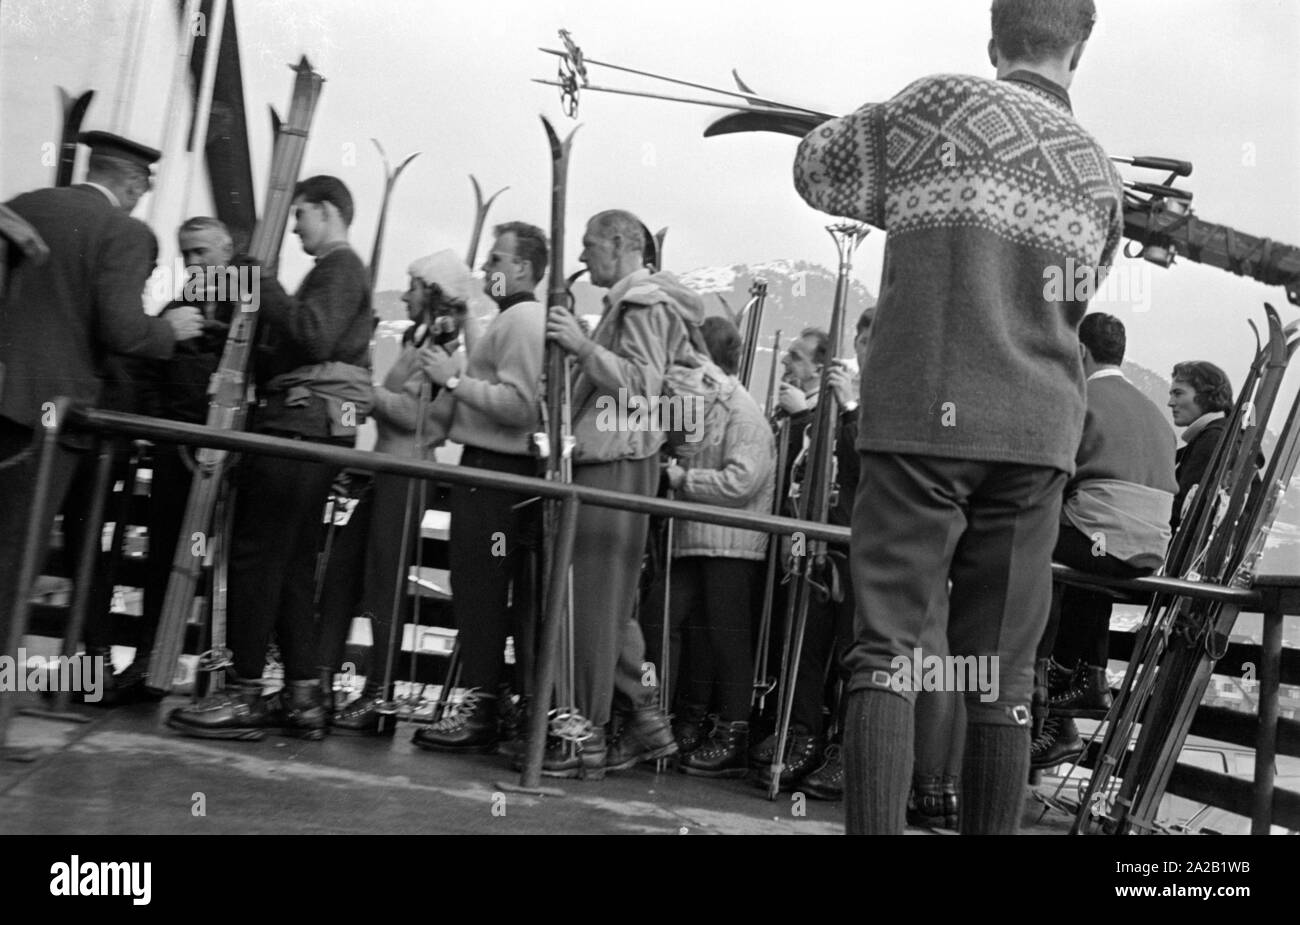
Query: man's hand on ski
[(186, 322), (563, 328)]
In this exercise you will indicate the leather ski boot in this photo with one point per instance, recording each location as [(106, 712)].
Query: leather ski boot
[(827, 782), (644, 736), (361, 716), (723, 754), (803, 754), (239, 711), (468, 726), (1059, 742), (926, 805), (302, 713), (585, 761), (689, 727), (1088, 694)]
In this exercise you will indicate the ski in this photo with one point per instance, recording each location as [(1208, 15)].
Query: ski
[(481, 207), (229, 388), (751, 316), (554, 446), (812, 563), (74, 111), (390, 180)]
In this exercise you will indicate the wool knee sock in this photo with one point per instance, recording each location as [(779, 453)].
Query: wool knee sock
[(993, 775), (877, 763)]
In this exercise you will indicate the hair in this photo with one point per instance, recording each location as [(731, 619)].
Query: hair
[(866, 319), (114, 169), (1038, 30), (627, 226), (1104, 337), (1213, 390), (200, 223), (823, 349), (320, 189), (723, 342), (530, 245)]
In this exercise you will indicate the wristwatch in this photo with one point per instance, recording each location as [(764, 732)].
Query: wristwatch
[(850, 408), (451, 383)]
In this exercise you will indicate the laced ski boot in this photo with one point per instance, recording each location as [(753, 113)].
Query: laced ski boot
[(585, 761), (644, 736), (1087, 695), (1059, 742), (827, 782), (689, 727), (723, 754), (468, 726), (302, 711), (239, 711), (362, 716), (803, 754)]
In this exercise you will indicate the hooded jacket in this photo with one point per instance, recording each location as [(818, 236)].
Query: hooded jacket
[(645, 328)]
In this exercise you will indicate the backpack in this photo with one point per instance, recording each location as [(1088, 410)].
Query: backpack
[(697, 386)]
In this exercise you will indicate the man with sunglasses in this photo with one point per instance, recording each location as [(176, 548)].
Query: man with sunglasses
[(62, 319), (492, 409)]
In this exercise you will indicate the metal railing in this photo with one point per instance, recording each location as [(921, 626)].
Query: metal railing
[(108, 425)]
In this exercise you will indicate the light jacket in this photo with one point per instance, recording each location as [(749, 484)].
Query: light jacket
[(396, 408), (737, 472), (644, 329)]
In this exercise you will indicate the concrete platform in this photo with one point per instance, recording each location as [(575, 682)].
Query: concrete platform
[(125, 773)]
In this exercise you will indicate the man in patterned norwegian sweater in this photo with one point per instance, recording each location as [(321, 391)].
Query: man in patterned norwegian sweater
[(972, 395)]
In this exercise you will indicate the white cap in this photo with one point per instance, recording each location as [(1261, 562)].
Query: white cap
[(448, 272)]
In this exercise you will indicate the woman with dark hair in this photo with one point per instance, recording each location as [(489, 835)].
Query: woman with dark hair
[(1199, 398), (437, 304), (716, 571)]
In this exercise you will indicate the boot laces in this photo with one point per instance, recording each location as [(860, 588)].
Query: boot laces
[(457, 713), (1051, 732)]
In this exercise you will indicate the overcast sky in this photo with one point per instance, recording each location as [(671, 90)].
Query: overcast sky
[(1212, 81)]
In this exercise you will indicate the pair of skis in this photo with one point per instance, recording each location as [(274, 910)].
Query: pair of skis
[(815, 503), (229, 388)]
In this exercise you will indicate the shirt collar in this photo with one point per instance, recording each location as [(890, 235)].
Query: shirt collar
[(1194, 429), (1043, 85), (112, 197), (1107, 373), (514, 299)]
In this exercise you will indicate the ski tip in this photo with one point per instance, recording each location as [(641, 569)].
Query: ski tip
[(740, 84)]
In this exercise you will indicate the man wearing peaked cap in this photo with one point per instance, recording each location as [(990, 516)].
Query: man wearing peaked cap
[(60, 320)]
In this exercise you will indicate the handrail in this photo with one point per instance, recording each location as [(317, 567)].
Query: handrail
[(139, 427), (1158, 584)]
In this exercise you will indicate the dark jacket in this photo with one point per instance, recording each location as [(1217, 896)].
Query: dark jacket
[(60, 320), (177, 389), (1192, 461), (328, 320)]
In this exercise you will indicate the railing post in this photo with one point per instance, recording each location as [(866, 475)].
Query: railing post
[(1270, 669), (35, 546), (558, 586), (87, 560)]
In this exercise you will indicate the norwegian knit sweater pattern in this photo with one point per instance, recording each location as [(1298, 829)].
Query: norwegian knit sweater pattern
[(985, 189)]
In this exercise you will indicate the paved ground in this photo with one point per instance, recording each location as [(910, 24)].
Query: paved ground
[(126, 773)]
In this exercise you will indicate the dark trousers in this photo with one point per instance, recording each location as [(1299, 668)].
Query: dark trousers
[(608, 645), (711, 647), (16, 488), (827, 635), (919, 521), (492, 538), (1078, 626), (278, 529)]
